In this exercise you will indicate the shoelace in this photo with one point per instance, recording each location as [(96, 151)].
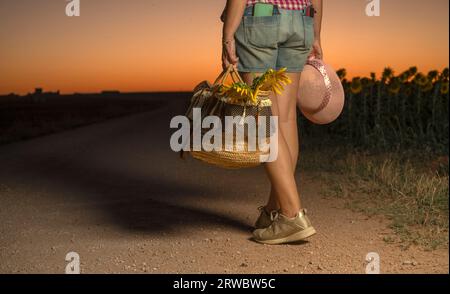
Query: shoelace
[(274, 215)]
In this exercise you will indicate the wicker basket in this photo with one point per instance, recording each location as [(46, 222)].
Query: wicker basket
[(211, 102)]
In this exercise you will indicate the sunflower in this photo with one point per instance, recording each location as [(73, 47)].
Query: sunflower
[(356, 86), (366, 82), (445, 74), (444, 88), (387, 74), (341, 73), (421, 79), (428, 86), (412, 71), (237, 92), (433, 75), (271, 80), (394, 86), (404, 77)]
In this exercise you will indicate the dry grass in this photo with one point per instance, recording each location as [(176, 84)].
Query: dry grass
[(410, 188)]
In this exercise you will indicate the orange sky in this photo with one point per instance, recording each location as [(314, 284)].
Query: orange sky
[(157, 45)]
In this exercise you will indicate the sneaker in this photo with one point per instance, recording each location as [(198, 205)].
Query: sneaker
[(265, 219), (285, 230)]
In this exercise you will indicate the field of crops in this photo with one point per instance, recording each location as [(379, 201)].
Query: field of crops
[(392, 111), (388, 152)]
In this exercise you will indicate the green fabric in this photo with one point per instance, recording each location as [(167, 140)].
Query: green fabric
[(263, 9)]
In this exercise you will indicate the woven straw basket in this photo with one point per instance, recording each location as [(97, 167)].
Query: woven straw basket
[(207, 97)]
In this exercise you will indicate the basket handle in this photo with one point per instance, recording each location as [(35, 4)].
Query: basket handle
[(229, 71)]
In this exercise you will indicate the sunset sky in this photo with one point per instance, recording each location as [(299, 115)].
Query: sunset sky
[(160, 45)]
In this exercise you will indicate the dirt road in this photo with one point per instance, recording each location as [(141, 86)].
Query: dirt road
[(117, 195)]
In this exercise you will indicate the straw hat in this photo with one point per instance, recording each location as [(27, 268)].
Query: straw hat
[(320, 96)]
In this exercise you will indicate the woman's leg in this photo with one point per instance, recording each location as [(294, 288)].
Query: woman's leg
[(284, 188), (285, 106)]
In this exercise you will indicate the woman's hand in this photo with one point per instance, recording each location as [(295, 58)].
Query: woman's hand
[(316, 51), (231, 16), (229, 53)]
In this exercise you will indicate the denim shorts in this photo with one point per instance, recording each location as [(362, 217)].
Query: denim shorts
[(282, 40)]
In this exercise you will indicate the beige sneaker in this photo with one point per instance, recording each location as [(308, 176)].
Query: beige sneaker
[(265, 219), (285, 230)]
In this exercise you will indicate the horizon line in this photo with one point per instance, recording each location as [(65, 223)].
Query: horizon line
[(104, 92)]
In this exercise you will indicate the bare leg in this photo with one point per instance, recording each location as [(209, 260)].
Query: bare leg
[(287, 105), (286, 108), (284, 193)]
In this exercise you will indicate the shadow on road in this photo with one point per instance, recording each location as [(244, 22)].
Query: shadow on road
[(126, 169), (150, 203)]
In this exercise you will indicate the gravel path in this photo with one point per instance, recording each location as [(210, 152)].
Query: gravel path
[(117, 195)]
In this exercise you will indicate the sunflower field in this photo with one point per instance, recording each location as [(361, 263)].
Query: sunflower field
[(408, 110)]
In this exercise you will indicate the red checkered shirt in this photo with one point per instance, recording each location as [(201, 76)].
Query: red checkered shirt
[(284, 4)]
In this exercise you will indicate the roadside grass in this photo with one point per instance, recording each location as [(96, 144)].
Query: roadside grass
[(410, 188)]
